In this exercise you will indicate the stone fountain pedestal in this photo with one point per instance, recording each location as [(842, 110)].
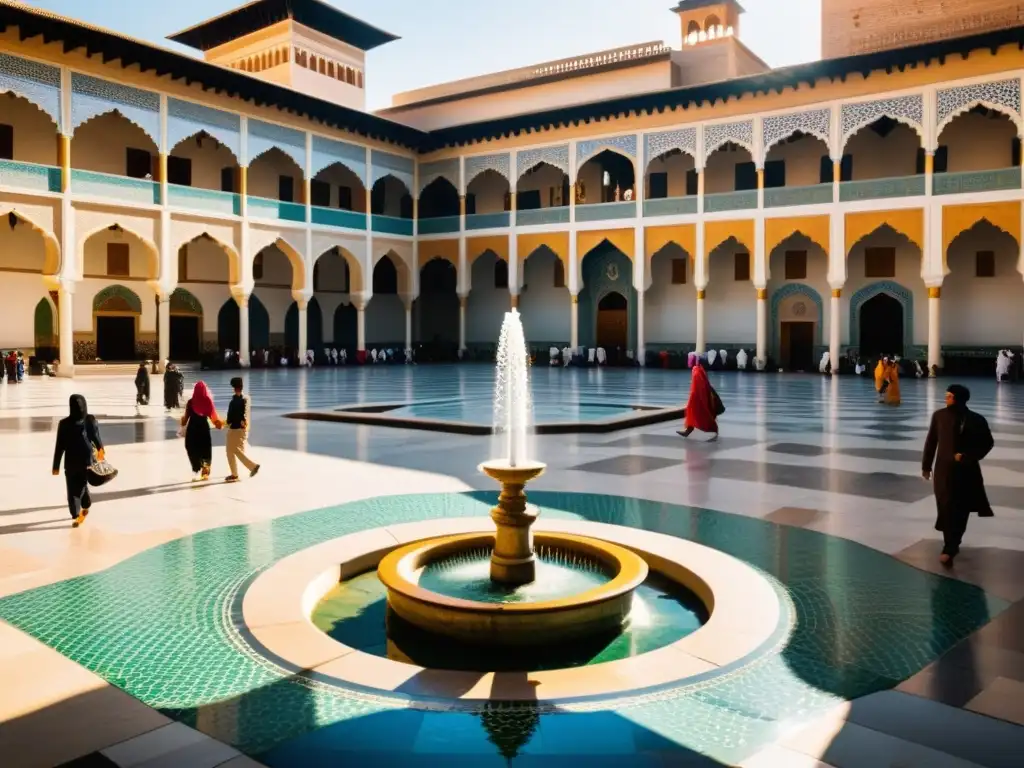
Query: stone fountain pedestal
[(513, 561)]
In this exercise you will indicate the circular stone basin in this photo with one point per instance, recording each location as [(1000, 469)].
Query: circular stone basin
[(598, 600)]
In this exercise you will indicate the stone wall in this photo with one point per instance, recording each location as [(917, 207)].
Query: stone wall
[(860, 26)]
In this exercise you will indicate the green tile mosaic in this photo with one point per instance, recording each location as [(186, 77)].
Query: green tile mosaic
[(164, 626)]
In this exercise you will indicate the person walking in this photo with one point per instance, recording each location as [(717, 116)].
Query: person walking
[(238, 432), (174, 385), (958, 439), (199, 413), (704, 405), (78, 437), (141, 387)]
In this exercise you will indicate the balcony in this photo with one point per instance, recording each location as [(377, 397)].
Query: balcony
[(879, 189), (117, 188), (497, 220), (29, 176), (391, 225), (606, 211), (730, 201), (336, 217), (976, 181), (670, 206), (205, 200), (264, 208), (438, 225), (782, 197), (535, 217)]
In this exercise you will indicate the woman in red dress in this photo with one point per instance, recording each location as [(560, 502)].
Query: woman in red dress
[(703, 406)]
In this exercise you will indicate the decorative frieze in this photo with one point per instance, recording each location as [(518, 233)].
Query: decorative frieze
[(557, 156), (717, 134), (186, 119), (91, 97), (500, 164), (385, 164), (625, 144), (264, 136), (658, 144), (439, 169), (35, 82), (906, 109), (775, 128), (1001, 95), (327, 152)]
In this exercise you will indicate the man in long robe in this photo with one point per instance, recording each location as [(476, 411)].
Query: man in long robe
[(958, 439)]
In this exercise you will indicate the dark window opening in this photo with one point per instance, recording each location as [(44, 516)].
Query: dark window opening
[(941, 164), (679, 271), (286, 189), (385, 277), (320, 193), (741, 267), (879, 262), (745, 177), (846, 168), (257, 267), (345, 198), (985, 264), (559, 274), (796, 265), (179, 171), (658, 186), (227, 179), (826, 172), (138, 163), (774, 174), (6, 142), (692, 182), (501, 274), (528, 200)]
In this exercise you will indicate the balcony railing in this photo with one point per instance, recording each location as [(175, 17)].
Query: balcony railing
[(976, 181), (439, 225), (497, 220), (336, 217), (208, 200), (111, 187), (781, 197), (534, 217), (605, 211), (264, 208), (391, 225), (670, 206), (730, 201), (30, 176), (877, 189)]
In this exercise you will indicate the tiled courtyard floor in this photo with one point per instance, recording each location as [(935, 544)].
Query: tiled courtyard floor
[(886, 661)]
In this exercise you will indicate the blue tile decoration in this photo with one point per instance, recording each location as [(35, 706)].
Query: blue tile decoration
[(1000, 95), (815, 122), (500, 164), (657, 144), (904, 296), (814, 314), (91, 97), (907, 109), (35, 82), (385, 164), (327, 152), (440, 169), (163, 626), (557, 156), (624, 145), (185, 119), (717, 134), (263, 136)]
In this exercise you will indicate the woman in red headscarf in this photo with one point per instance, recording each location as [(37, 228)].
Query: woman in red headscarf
[(199, 413), (704, 405)]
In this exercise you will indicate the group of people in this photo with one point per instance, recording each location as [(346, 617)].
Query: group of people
[(13, 367), (200, 415), (887, 381)]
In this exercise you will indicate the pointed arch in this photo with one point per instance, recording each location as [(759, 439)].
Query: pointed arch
[(355, 268), (52, 253), (894, 115), (402, 269), (967, 106), (119, 113), (149, 247), (893, 289), (907, 222), (817, 229), (184, 302), (959, 219), (117, 298), (298, 264), (204, 134), (787, 291)]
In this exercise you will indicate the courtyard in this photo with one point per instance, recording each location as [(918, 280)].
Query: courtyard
[(137, 639)]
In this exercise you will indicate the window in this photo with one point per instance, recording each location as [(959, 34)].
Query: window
[(825, 173), (941, 164), (746, 176), (559, 274), (6, 142), (227, 179), (774, 174), (385, 277), (528, 200), (658, 186), (183, 264), (692, 182), (320, 193), (470, 204), (405, 206), (679, 271), (138, 163), (796, 265), (286, 189), (257, 267), (742, 267), (985, 264), (846, 168), (378, 200), (118, 261), (501, 274), (345, 198), (179, 171), (879, 262), (1015, 152)]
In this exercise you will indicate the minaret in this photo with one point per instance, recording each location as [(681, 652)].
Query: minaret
[(702, 21)]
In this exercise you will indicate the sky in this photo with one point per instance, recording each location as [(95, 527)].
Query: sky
[(446, 40)]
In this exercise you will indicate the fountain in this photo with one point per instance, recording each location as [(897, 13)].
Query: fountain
[(580, 587)]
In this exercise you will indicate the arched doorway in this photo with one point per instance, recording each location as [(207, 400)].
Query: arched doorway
[(437, 310), (881, 326), (613, 321), (345, 327), (45, 331), (259, 325), (314, 327), (116, 313), (186, 326)]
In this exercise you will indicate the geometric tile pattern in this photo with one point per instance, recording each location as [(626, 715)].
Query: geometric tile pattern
[(440, 169), (91, 97), (385, 164), (624, 145), (185, 119), (657, 144), (264, 136), (477, 164), (35, 82), (326, 152), (557, 156), (1001, 95), (907, 109), (816, 122)]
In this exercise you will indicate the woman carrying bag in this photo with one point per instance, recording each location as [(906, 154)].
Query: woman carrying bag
[(199, 412), (80, 446)]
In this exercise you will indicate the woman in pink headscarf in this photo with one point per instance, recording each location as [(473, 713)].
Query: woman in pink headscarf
[(199, 413)]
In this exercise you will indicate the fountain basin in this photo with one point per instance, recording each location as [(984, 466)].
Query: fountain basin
[(600, 609)]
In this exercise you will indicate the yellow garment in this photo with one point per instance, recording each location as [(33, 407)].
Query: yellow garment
[(892, 393), (879, 376)]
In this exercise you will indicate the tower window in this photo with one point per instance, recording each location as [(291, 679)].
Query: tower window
[(741, 268)]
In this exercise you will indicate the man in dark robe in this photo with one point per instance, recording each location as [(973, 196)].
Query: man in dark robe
[(958, 439), (141, 386)]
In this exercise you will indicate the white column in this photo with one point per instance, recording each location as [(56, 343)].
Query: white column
[(762, 324), (65, 320), (361, 327), (574, 321), (934, 328), (243, 330), (408, 324), (163, 328), (835, 323), (303, 328), (701, 338), (641, 340), (463, 300)]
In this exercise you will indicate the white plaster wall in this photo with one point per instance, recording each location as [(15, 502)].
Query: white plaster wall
[(802, 158), (266, 170), (327, 88), (720, 173), (207, 160), (487, 305), (19, 294), (277, 301), (546, 310), (100, 144), (277, 269), (730, 306), (205, 261), (543, 178), (984, 311), (35, 134), (142, 263), (676, 166), (212, 297), (875, 157), (338, 175), (329, 303), (489, 189), (979, 143), (670, 311), (908, 274)]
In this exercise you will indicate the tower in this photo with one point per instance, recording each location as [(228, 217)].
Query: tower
[(704, 20)]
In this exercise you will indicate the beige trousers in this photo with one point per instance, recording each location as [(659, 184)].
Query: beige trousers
[(236, 451)]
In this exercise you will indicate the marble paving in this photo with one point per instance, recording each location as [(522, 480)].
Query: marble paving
[(113, 648)]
